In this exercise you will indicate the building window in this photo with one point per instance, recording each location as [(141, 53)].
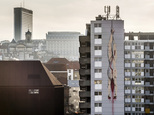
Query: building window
[(98, 107), (98, 93), (33, 91), (98, 48), (98, 96), (97, 25), (69, 71), (98, 84), (98, 59), (98, 104), (98, 70), (98, 36), (98, 81)]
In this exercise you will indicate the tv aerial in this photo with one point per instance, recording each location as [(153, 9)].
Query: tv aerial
[(107, 10)]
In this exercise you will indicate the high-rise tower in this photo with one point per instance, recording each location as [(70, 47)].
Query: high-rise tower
[(102, 66), (22, 22)]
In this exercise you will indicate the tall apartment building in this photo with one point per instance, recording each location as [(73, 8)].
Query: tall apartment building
[(102, 68), (23, 21), (63, 45), (139, 73), (85, 76)]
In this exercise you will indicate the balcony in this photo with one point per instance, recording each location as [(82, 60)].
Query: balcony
[(84, 71), (147, 101), (147, 57), (147, 47), (84, 105), (147, 74), (84, 39), (84, 82), (84, 49), (84, 93), (149, 84), (150, 93), (147, 92), (147, 65), (84, 60)]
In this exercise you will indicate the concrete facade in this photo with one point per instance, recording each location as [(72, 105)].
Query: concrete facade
[(100, 104), (63, 45), (139, 80), (94, 65)]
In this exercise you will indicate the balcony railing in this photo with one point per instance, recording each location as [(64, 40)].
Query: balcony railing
[(84, 93), (84, 60), (84, 82), (84, 49), (84, 39), (84, 105), (84, 71)]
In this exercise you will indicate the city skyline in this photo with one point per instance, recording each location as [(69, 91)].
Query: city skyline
[(72, 15)]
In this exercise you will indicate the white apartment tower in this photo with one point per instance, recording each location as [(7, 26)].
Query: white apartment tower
[(102, 67)]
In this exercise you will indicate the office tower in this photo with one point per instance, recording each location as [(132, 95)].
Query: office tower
[(23, 21), (139, 72), (63, 44), (102, 67)]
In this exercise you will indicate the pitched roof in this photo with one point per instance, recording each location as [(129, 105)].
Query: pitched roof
[(74, 65), (58, 61), (13, 41), (56, 67), (26, 73), (62, 64), (51, 76)]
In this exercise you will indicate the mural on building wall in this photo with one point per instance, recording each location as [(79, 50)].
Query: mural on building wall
[(112, 72)]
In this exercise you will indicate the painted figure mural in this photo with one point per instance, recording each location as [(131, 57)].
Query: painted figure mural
[(112, 72)]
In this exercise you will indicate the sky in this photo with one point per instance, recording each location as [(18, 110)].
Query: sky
[(73, 15)]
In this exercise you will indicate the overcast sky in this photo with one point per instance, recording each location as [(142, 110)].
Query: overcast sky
[(72, 15)]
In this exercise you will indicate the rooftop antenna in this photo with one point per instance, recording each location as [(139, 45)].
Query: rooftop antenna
[(117, 12), (107, 11), (23, 3)]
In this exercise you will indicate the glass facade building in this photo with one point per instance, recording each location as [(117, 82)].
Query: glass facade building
[(23, 21)]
